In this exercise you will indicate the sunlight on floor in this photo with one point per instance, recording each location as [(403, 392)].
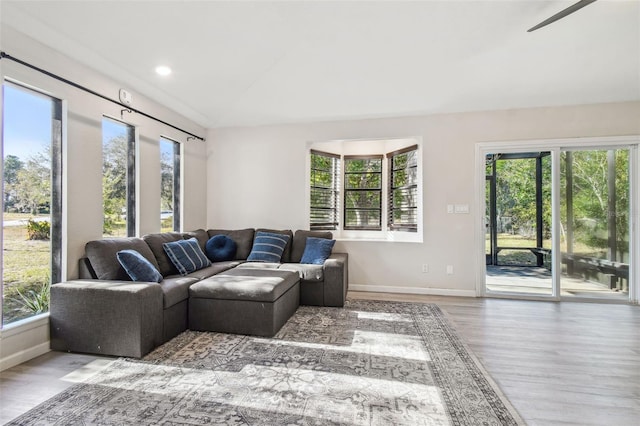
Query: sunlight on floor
[(372, 343), (87, 371), (319, 395)]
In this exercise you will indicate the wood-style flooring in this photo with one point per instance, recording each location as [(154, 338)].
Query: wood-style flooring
[(559, 363)]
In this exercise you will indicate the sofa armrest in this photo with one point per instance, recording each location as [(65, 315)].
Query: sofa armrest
[(336, 279), (120, 318)]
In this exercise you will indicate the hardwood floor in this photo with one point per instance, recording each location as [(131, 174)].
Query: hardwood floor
[(558, 363)]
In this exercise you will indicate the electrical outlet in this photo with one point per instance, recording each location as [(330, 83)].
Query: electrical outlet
[(449, 269), (425, 268)]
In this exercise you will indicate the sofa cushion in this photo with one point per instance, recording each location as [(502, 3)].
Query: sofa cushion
[(214, 269), (300, 242), (102, 255), (242, 237), (186, 255), (317, 250), (286, 254), (309, 273), (258, 265), (220, 248), (176, 289), (245, 284), (268, 247), (155, 242), (138, 268), (199, 234)]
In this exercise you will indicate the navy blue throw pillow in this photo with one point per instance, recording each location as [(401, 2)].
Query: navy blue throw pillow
[(186, 255), (137, 267), (268, 247), (220, 248), (317, 250)]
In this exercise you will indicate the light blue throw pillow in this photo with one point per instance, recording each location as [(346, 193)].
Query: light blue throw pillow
[(186, 255), (137, 267), (317, 250), (268, 247)]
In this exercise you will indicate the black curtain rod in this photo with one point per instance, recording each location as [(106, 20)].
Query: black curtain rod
[(4, 55)]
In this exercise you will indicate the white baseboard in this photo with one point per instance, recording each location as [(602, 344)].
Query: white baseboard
[(413, 290), (24, 355)]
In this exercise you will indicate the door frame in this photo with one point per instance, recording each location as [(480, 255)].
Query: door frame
[(555, 146)]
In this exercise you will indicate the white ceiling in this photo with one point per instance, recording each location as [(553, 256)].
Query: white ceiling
[(254, 63)]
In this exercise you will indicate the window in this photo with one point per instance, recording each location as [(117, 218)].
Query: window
[(31, 201), (324, 196), (375, 197), (118, 178), (363, 192), (403, 190), (170, 185)]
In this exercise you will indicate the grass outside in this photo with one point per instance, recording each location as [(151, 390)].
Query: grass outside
[(20, 216), (26, 265), (166, 225)]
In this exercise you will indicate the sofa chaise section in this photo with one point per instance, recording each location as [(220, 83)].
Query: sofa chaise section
[(102, 263)]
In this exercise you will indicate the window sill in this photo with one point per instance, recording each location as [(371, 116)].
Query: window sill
[(24, 325), (390, 237)]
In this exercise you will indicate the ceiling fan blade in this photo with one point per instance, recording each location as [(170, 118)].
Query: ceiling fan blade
[(562, 14)]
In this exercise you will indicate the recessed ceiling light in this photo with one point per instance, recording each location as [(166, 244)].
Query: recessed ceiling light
[(163, 70)]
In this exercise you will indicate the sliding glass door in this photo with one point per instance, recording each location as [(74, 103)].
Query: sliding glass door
[(595, 223), (558, 220)]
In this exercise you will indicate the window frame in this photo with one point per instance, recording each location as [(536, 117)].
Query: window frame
[(56, 201), (177, 184), (348, 191), (391, 225), (334, 204), (130, 201), (345, 148)]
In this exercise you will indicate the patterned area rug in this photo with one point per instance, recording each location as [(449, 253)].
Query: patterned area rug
[(371, 363)]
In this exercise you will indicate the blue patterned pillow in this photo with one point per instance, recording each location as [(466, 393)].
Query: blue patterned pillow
[(186, 255), (220, 248), (268, 247), (137, 267), (317, 250)]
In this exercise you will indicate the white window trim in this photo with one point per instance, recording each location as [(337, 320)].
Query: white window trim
[(386, 145)]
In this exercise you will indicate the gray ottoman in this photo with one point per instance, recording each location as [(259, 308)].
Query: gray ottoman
[(244, 301)]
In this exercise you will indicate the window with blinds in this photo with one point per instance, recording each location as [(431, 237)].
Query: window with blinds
[(403, 190), (363, 192), (325, 184)]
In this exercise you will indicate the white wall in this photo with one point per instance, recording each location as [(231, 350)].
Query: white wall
[(82, 156), (257, 178)]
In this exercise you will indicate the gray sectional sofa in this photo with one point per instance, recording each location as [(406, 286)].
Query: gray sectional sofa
[(104, 312)]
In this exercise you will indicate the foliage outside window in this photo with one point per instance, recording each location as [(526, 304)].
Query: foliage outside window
[(31, 200), (595, 185), (324, 195), (118, 178), (403, 190), (363, 192), (170, 185), (516, 197)]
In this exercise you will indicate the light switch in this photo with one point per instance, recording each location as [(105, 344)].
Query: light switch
[(449, 208), (462, 208)]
